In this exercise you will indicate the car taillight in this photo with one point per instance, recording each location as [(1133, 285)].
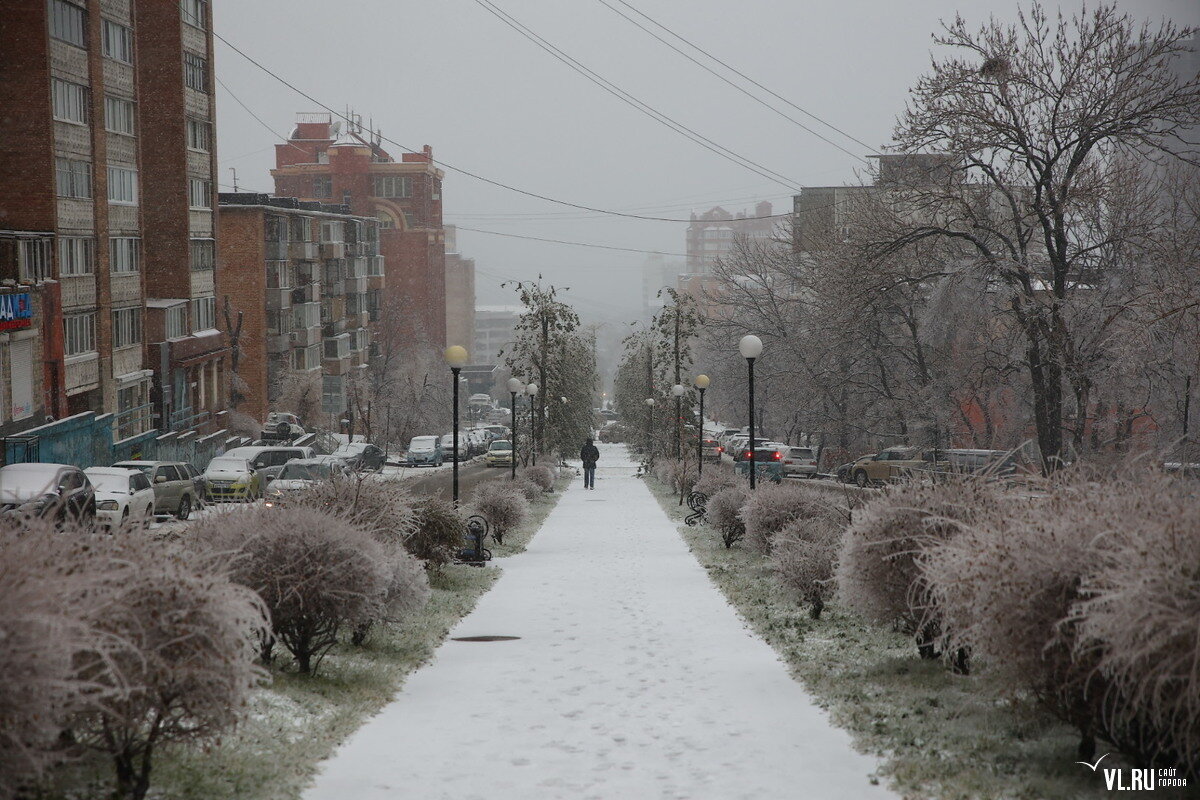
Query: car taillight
[(720, 449), (777, 456)]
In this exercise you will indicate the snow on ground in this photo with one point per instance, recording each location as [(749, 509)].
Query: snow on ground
[(633, 678)]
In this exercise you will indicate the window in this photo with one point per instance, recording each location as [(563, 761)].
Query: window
[(124, 254), (195, 72), (122, 186), (195, 12), (410, 220), (177, 322), (69, 101), (305, 358), (118, 115), (393, 186), (76, 255), (79, 332), (203, 254), (204, 314), (127, 326), (117, 41), (73, 178), (323, 186), (386, 220), (199, 193), (331, 231), (300, 230), (67, 23), (33, 260), (199, 135)]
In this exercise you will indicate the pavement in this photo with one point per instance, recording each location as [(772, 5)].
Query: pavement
[(632, 678)]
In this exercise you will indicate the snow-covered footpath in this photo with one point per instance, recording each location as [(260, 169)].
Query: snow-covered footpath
[(632, 678)]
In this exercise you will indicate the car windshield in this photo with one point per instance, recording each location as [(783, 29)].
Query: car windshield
[(228, 465), (108, 482), (423, 443), (802, 452), (25, 484), (351, 449), (305, 472), (501, 446), (145, 469)]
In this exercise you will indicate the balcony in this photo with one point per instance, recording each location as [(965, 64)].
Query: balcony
[(355, 285), (279, 343), (78, 290), (279, 299), (374, 266), (308, 293), (333, 250), (82, 372), (356, 268), (302, 251), (306, 337), (277, 251)]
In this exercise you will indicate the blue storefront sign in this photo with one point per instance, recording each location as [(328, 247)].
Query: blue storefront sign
[(15, 312)]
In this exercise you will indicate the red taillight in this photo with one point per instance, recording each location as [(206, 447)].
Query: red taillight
[(720, 449), (746, 454), (777, 456)]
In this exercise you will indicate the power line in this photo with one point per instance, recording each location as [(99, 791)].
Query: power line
[(257, 118), (632, 101), (736, 86), (744, 76), (575, 244)]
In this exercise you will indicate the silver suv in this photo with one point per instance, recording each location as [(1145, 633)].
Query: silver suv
[(174, 487)]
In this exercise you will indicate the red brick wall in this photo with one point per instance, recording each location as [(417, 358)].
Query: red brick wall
[(242, 254), (27, 198)]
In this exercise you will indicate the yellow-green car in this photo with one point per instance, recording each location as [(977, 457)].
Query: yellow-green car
[(499, 454), (232, 479)]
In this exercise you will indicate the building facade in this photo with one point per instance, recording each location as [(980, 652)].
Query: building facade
[(107, 160), (711, 235), (330, 161), (460, 294), (306, 279), (494, 326)]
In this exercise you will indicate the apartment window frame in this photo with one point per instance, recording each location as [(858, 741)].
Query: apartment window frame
[(300, 225), (332, 232), (34, 260), (79, 334), (199, 135), (73, 178), (122, 185), (204, 314), (195, 13), (322, 186), (126, 327), (69, 101), (116, 41), (195, 71), (175, 324), (68, 23), (120, 110), (392, 186), (202, 254), (76, 255), (124, 254), (200, 194)]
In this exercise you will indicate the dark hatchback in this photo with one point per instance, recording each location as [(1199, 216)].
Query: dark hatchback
[(52, 491)]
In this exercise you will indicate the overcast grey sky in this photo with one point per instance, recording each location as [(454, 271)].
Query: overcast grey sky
[(450, 74)]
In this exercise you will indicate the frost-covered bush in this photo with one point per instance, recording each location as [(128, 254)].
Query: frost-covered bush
[(879, 565), (528, 489), (501, 505), (804, 556), (317, 573), (440, 531), (543, 476), (725, 514), (1141, 617), (383, 508), (714, 479), (772, 507)]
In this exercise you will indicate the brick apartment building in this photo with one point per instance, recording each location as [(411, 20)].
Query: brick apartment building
[(307, 278), (106, 202), (711, 235), (460, 294), (330, 161)]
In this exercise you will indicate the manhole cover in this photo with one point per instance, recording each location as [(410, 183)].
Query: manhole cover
[(484, 638)]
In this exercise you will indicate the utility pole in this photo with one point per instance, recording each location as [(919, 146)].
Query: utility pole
[(678, 400), (540, 423)]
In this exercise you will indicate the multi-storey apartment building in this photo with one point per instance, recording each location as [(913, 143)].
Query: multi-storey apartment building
[(711, 235), (106, 171), (331, 161), (306, 278), (460, 293)]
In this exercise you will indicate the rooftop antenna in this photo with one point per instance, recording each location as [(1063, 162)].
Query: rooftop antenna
[(234, 171)]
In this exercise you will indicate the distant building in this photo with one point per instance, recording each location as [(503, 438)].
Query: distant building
[(657, 274), (307, 278), (494, 327), (330, 161), (460, 294), (106, 204), (711, 235)]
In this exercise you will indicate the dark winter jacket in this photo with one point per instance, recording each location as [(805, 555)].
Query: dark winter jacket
[(589, 455)]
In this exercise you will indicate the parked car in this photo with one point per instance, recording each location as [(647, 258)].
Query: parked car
[(499, 454), (122, 495), (282, 425), (425, 450), (269, 460), (302, 473), (448, 447), (359, 456), (737, 446), (711, 450), (800, 462), (768, 464), (52, 491), (174, 487), (498, 431), (845, 473), (232, 478), (892, 464), (197, 482)]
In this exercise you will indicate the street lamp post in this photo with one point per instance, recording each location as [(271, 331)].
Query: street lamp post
[(751, 348), (678, 391), (701, 383), (532, 390), (456, 357), (514, 386), (649, 427)]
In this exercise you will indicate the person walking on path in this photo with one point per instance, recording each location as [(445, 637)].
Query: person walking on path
[(589, 455)]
